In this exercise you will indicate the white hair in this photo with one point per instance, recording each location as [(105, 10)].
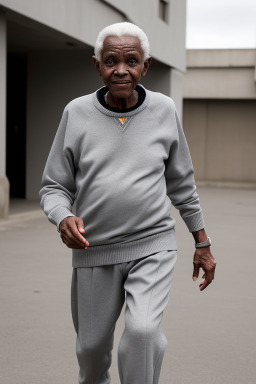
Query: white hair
[(122, 29)]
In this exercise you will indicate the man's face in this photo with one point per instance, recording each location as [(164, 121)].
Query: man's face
[(121, 65)]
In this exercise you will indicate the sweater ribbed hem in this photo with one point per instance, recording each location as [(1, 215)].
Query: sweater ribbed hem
[(123, 252)]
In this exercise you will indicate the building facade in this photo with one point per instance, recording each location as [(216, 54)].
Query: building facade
[(219, 115), (45, 61)]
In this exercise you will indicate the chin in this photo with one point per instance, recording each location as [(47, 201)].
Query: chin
[(121, 94)]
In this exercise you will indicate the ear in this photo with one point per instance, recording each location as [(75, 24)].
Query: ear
[(146, 66), (96, 64)]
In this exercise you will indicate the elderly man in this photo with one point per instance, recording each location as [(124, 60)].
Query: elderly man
[(121, 155)]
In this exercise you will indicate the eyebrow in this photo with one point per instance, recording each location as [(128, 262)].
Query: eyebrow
[(114, 53)]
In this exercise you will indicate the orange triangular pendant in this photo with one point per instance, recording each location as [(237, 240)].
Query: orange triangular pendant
[(122, 119)]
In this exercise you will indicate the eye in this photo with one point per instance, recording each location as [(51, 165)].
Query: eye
[(132, 61), (110, 61)]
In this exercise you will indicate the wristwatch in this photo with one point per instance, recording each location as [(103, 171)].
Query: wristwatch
[(205, 243)]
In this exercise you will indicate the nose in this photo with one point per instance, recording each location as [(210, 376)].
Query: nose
[(121, 69)]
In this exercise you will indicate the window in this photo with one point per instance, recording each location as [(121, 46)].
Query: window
[(164, 10)]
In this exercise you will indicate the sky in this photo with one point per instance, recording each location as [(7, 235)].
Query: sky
[(221, 24)]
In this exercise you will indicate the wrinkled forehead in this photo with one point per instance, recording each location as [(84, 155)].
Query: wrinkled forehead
[(122, 44)]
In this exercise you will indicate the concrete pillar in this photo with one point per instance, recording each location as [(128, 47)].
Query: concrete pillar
[(4, 183), (176, 90)]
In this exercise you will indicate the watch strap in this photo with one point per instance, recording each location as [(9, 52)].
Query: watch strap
[(206, 243)]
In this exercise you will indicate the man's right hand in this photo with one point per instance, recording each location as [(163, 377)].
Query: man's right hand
[(71, 229)]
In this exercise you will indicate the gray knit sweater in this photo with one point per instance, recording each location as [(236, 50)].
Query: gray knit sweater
[(122, 177)]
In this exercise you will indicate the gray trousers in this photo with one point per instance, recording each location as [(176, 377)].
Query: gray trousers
[(97, 298)]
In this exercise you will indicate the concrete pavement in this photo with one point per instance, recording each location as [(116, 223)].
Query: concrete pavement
[(211, 334)]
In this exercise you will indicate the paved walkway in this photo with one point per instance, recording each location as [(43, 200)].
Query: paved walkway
[(211, 334)]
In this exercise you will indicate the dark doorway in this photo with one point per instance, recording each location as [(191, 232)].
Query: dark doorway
[(16, 123)]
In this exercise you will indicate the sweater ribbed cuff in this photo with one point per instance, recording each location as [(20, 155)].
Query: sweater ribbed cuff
[(58, 214), (194, 222)]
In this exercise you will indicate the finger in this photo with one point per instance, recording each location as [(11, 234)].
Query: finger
[(71, 244), (74, 246), (206, 281), (71, 238), (80, 225), (204, 284), (196, 271), (72, 227), (76, 232)]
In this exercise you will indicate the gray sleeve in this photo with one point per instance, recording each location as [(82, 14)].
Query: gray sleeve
[(180, 182), (58, 182)]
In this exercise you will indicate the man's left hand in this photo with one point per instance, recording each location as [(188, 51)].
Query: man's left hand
[(204, 259)]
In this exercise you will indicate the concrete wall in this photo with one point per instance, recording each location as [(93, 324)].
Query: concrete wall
[(220, 58), (220, 74), (156, 82), (3, 42), (219, 116), (220, 83), (80, 19), (83, 19), (176, 91), (4, 183), (222, 139), (168, 81)]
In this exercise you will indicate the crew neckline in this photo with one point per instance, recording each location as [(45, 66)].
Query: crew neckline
[(101, 94), (141, 104)]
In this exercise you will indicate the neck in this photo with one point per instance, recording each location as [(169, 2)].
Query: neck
[(122, 103)]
